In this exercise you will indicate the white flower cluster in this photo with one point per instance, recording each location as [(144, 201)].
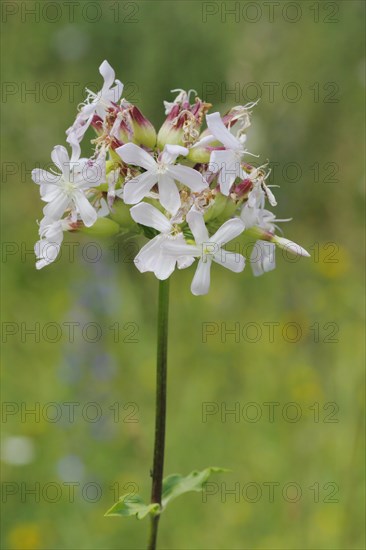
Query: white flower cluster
[(191, 191)]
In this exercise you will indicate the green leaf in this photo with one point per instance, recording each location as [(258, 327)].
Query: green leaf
[(173, 486), (176, 484), (132, 505)]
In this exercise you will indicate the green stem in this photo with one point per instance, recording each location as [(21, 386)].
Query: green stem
[(160, 407)]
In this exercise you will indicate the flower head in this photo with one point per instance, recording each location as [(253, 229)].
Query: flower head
[(200, 192)]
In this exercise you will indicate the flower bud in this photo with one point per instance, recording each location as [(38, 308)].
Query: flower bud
[(120, 214), (290, 246), (128, 124), (144, 131), (221, 209), (183, 122), (103, 227), (242, 189)]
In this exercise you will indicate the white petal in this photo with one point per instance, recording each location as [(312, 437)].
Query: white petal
[(46, 249), (250, 216), (201, 280), (49, 183), (46, 252), (177, 248), (197, 226), (271, 198), (228, 166), (132, 154), (103, 209), (263, 257), (291, 246), (182, 261), (221, 133), (231, 260), (81, 124), (115, 93), (147, 256), (165, 266), (256, 197), (189, 177), (146, 214), (137, 188), (152, 257), (60, 157), (107, 73), (203, 142), (172, 152), (50, 193), (73, 139), (185, 261), (57, 206), (51, 230), (86, 211), (168, 193), (43, 177), (228, 231), (87, 173)]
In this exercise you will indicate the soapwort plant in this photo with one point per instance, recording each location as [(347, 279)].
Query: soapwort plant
[(188, 190)]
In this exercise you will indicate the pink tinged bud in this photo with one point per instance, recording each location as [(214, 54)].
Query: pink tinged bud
[(170, 133), (199, 154), (144, 131), (183, 122), (243, 188), (126, 124), (286, 244)]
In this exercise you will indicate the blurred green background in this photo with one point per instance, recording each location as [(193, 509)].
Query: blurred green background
[(313, 129)]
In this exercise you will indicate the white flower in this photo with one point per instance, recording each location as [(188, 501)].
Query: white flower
[(152, 257), (209, 249), (163, 172), (253, 216), (48, 247), (262, 258), (66, 190), (97, 103), (228, 160)]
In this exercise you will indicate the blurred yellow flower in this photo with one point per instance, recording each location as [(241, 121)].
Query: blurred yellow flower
[(332, 260), (26, 536)]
